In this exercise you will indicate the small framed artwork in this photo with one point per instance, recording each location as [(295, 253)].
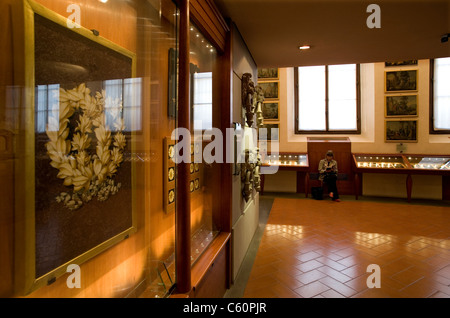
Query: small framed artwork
[(273, 130), (401, 63), (169, 175), (267, 73), (270, 89), (401, 105), (271, 111), (400, 81), (400, 131), (197, 184)]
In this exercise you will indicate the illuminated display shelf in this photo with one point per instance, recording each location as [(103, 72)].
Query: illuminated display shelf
[(291, 159), (408, 164), (389, 162), (434, 163)]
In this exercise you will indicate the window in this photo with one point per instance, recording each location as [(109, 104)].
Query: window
[(440, 96), (327, 99), (203, 100)]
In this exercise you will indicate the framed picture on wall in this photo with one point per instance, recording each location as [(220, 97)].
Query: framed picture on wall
[(271, 110), (401, 63), (80, 192), (401, 106), (273, 132), (270, 89), (267, 73), (400, 81), (400, 131)]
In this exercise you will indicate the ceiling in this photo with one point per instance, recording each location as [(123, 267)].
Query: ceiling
[(337, 30)]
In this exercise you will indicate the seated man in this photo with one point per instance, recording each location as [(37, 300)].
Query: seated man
[(328, 173)]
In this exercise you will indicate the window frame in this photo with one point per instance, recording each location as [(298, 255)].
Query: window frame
[(327, 130), (434, 131)]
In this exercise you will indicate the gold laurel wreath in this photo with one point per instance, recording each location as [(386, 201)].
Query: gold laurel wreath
[(90, 175)]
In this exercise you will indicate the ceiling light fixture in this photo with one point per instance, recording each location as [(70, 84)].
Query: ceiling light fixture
[(304, 47)]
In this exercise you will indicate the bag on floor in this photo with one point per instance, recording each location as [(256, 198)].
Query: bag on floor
[(317, 193)]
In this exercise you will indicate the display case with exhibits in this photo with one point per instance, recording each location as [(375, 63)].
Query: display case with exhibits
[(403, 162), (433, 163), (88, 134), (286, 160), (407, 164), (291, 161), (380, 161)]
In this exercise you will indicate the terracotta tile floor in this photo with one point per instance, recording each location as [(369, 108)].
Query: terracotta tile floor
[(322, 249)]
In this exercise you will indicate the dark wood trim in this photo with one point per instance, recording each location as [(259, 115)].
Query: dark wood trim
[(226, 121), (328, 131), (206, 16), (183, 200), (327, 113), (358, 98), (296, 101), (432, 130), (207, 259)]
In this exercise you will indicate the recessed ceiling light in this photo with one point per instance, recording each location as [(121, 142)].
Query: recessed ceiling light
[(103, 1), (304, 47)]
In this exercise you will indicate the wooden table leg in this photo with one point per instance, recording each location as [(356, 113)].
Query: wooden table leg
[(306, 184), (409, 187), (262, 184), (356, 186)]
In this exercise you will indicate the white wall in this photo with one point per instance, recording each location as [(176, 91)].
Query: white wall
[(245, 215)]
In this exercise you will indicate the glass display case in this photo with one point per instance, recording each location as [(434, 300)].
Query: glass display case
[(380, 161), (204, 189), (433, 163), (286, 159), (401, 164)]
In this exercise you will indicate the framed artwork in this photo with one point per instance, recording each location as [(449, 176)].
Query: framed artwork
[(271, 111), (401, 63), (399, 81), (400, 131), (80, 180), (270, 89), (268, 73), (401, 106), (272, 135)]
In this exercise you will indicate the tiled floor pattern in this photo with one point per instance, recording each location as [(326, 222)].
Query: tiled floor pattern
[(322, 249)]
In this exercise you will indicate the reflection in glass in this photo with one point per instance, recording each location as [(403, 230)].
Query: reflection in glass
[(203, 59), (380, 162)]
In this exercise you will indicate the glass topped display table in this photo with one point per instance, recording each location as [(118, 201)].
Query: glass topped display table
[(289, 162), (402, 164)]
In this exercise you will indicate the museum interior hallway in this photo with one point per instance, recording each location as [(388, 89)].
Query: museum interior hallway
[(308, 248)]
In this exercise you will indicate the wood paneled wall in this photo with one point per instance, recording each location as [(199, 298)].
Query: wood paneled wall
[(6, 155), (117, 271), (341, 147)]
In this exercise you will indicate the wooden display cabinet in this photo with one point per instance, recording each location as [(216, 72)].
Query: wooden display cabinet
[(289, 161)]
